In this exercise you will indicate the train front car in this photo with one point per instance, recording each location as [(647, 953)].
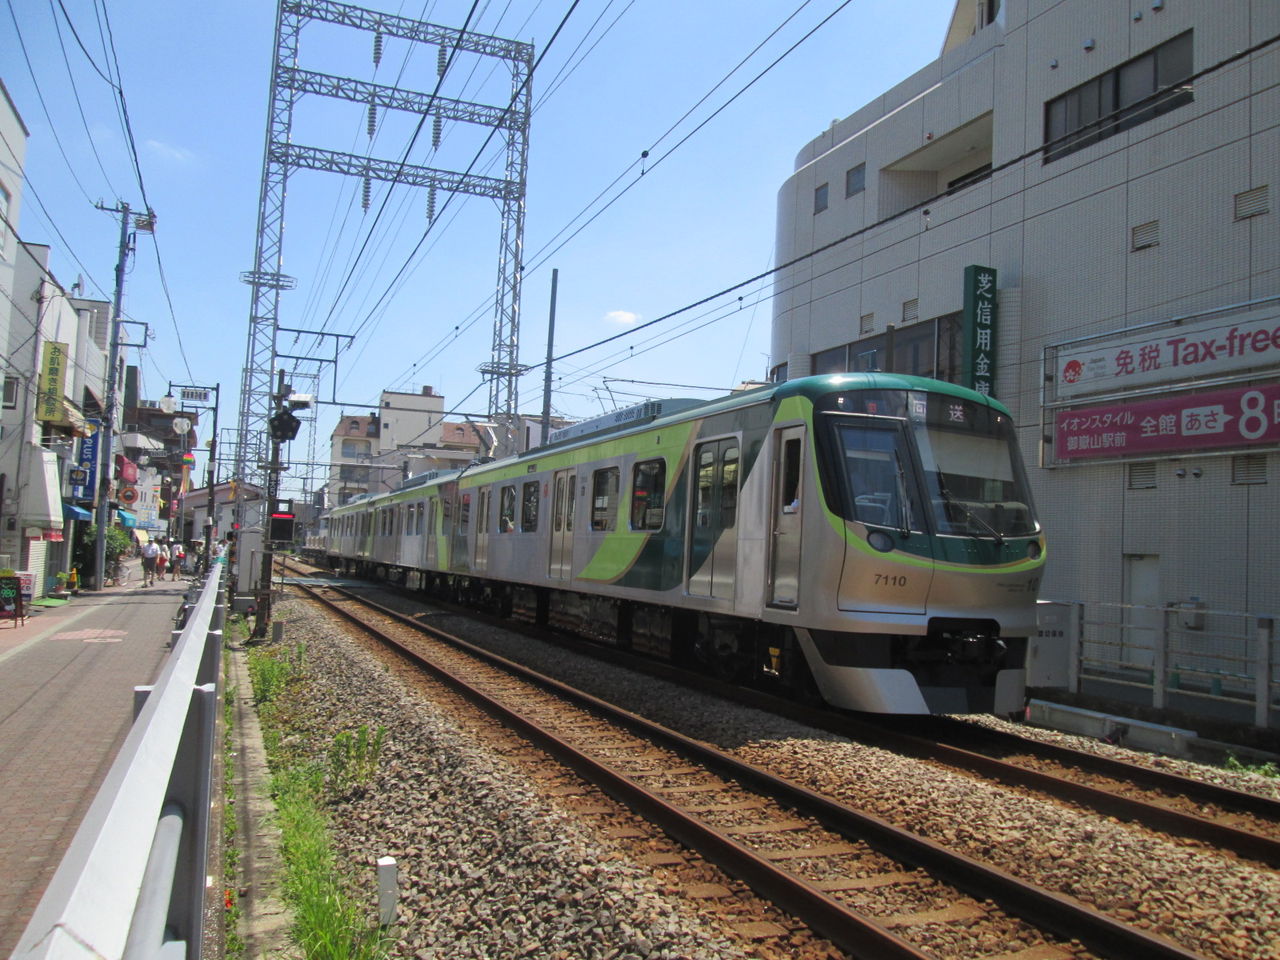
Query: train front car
[(938, 554)]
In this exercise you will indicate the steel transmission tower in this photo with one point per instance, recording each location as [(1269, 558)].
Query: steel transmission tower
[(281, 156)]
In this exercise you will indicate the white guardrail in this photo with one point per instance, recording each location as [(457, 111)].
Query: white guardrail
[(132, 883)]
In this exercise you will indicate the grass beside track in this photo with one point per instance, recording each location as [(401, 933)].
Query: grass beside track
[(329, 924)]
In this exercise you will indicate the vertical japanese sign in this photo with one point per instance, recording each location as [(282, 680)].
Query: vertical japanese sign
[(88, 463), (53, 378), (980, 329)]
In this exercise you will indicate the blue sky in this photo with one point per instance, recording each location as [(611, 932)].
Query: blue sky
[(697, 221)]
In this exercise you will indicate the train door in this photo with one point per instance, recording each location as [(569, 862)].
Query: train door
[(432, 520), (713, 543), (482, 529), (784, 560), (459, 550), (562, 504)]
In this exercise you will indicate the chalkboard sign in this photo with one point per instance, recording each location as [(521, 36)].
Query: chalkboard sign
[(11, 600)]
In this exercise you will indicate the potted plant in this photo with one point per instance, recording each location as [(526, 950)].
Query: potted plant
[(60, 591)]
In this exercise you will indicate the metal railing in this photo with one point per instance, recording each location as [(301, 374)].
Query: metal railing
[(1219, 663), (132, 883)]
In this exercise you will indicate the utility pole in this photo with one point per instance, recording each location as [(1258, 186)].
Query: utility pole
[(106, 473), (283, 426), (546, 374)]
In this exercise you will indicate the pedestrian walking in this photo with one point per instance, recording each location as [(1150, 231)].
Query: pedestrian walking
[(162, 559), (176, 557), (150, 551)]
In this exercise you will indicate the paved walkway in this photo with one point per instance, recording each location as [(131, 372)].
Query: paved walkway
[(66, 703)]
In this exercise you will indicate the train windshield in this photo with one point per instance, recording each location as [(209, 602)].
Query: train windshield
[(876, 467), (972, 470), (914, 460)]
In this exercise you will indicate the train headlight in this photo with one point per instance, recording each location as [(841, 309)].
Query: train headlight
[(1033, 550), (880, 541)]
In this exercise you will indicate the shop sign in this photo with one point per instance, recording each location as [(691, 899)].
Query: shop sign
[(1181, 423), (980, 329), (53, 378), (88, 465), (1176, 353)]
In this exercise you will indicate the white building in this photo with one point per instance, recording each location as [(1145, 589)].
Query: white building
[(1114, 167)]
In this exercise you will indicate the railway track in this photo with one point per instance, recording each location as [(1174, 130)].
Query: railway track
[(1245, 824), (831, 866)]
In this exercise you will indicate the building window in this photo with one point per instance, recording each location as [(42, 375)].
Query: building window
[(1249, 468), (1146, 235), (779, 373), (1142, 476), (604, 499), (10, 392), (1133, 93), (855, 180), (648, 492), (910, 311), (529, 507), (820, 199), (5, 197), (867, 323), (1251, 203), (355, 448), (831, 361)]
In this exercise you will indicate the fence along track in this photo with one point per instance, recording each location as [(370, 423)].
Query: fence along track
[(759, 853)]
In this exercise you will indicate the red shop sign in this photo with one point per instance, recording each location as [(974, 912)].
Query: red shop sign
[(1184, 423)]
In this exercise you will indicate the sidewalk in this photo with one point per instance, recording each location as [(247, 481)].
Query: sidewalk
[(66, 703)]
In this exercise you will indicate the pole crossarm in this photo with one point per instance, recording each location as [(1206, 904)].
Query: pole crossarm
[(394, 98), (331, 161), (393, 26)]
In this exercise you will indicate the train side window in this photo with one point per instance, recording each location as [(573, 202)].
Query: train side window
[(572, 495), (431, 516), (604, 499), (464, 514), (529, 507), (729, 488), (507, 509), (482, 512), (790, 476), (648, 492)]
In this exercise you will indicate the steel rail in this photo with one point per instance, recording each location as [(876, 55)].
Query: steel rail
[(1201, 792), (1059, 913)]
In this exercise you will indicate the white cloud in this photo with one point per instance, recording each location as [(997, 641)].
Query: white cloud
[(623, 318), (166, 152)]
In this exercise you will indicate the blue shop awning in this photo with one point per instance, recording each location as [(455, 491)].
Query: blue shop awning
[(71, 512), (127, 519)]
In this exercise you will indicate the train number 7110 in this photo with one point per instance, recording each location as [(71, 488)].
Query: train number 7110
[(890, 580)]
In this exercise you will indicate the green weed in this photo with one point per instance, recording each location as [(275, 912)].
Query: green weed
[(1268, 769), (353, 760)]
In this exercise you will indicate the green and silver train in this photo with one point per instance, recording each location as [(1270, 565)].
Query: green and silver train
[(869, 538)]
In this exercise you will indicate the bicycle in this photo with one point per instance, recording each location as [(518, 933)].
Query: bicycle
[(117, 574)]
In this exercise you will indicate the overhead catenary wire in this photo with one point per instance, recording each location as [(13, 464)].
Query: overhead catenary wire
[(540, 257)]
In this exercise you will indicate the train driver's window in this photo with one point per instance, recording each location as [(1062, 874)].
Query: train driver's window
[(529, 507), (648, 490), (604, 499), (507, 510)]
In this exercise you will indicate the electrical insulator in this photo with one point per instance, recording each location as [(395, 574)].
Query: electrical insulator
[(431, 204), (441, 59), (377, 49), (436, 126), (366, 193), (373, 120)]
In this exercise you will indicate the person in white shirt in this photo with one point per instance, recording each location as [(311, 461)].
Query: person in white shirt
[(150, 551), (176, 556)]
